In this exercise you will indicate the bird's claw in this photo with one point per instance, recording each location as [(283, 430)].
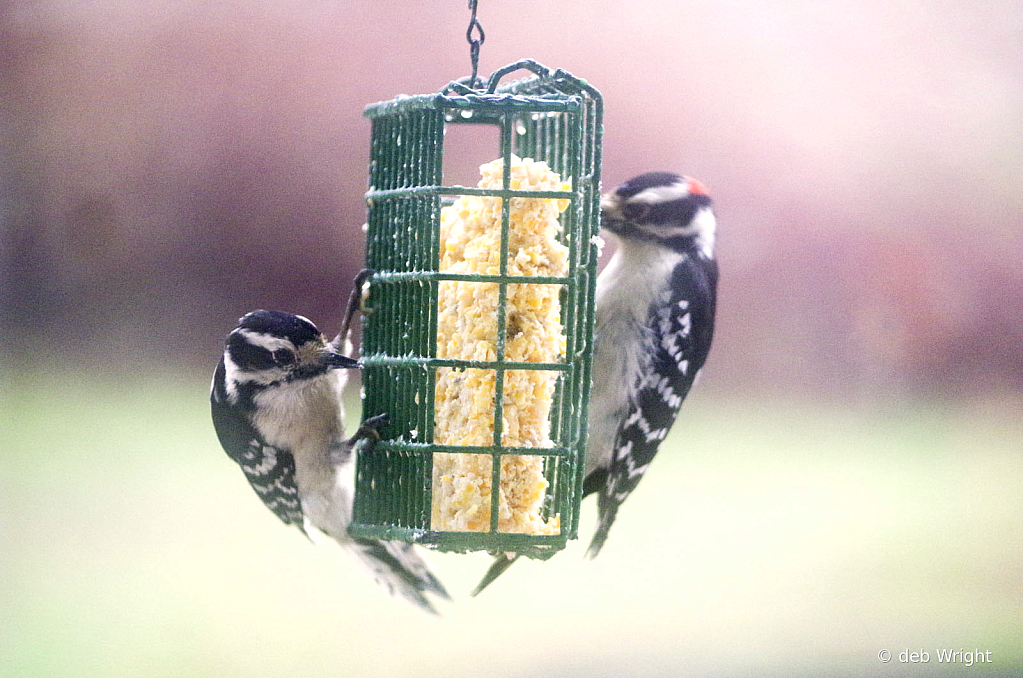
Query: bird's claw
[(370, 429)]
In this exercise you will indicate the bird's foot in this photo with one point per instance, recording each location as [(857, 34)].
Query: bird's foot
[(370, 429)]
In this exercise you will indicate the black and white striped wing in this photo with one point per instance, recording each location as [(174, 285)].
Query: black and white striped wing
[(681, 325), (270, 470)]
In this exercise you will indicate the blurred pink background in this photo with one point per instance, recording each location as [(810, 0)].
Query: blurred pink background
[(169, 165)]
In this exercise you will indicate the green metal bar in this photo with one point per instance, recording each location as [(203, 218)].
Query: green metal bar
[(477, 103), (393, 157), (570, 133), (573, 225), (407, 446), (402, 276), (383, 360), (457, 539), (417, 152), (502, 320), (404, 192), (456, 119), (399, 502), (431, 263), (592, 159)]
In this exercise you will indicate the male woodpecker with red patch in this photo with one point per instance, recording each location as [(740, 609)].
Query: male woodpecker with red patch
[(654, 324)]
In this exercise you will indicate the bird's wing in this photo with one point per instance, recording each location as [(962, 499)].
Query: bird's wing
[(681, 328), (270, 470)]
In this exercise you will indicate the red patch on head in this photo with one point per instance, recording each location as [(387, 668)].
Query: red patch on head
[(696, 187)]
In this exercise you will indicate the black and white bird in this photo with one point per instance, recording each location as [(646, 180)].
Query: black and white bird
[(654, 324), (276, 405)]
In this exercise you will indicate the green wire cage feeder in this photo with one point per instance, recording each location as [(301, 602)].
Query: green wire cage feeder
[(550, 120)]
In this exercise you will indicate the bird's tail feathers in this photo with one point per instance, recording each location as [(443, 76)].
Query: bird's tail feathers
[(607, 509), (396, 566), (502, 561)]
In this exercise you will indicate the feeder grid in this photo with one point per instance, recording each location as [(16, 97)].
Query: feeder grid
[(551, 117)]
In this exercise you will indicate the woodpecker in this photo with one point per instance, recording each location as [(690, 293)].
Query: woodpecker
[(276, 406), (655, 309)]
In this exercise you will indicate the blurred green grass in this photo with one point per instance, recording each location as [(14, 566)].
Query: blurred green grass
[(783, 538)]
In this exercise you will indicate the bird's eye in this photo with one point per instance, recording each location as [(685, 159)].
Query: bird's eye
[(635, 211), (284, 357)]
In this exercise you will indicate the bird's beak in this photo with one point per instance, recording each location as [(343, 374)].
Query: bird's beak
[(608, 205), (610, 212), (334, 360)]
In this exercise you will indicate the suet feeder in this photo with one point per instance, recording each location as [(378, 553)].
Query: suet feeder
[(549, 117)]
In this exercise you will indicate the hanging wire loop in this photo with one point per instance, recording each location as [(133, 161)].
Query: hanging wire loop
[(475, 36)]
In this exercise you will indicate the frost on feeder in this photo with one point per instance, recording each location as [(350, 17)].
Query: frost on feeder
[(479, 291)]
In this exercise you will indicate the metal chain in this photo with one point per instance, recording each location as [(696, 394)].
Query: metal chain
[(474, 42)]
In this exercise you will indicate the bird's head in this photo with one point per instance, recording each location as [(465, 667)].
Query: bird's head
[(273, 346), (668, 209)]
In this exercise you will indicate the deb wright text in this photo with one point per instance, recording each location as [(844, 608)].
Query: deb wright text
[(941, 656)]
